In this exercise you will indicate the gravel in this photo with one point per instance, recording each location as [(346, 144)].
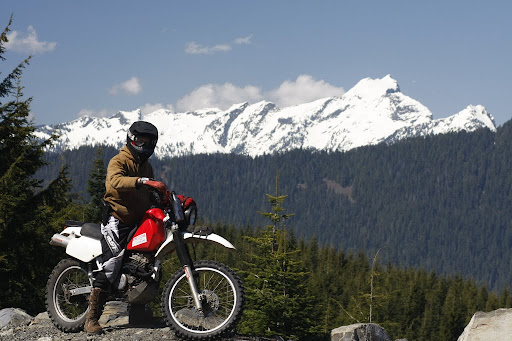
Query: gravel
[(50, 333), (42, 329), (115, 325)]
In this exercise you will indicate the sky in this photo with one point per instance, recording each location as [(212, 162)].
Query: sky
[(97, 58)]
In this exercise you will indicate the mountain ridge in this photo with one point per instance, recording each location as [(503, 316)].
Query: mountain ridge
[(373, 111)]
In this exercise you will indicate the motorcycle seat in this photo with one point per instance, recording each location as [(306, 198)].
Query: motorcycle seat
[(91, 230)]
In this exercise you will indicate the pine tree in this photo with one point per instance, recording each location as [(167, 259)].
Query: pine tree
[(278, 302), (27, 213), (453, 318), (96, 187)]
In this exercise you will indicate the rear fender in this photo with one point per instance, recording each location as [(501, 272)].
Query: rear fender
[(168, 245)]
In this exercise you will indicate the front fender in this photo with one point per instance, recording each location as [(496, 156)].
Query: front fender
[(168, 245)]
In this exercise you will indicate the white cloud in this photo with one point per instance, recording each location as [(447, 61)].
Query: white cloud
[(131, 87), (148, 108), (222, 96), (218, 96), (95, 113), (304, 89), (28, 43), (243, 40), (195, 48)]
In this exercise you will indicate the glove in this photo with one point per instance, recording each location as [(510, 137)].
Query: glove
[(160, 187), (141, 181)]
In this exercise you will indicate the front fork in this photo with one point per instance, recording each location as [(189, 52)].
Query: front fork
[(188, 266)]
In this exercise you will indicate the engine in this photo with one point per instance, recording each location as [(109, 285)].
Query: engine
[(137, 267), (138, 279)]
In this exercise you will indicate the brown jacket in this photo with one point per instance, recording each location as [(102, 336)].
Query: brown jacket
[(128, 201)]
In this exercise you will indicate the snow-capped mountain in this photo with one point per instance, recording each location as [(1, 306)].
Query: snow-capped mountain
[(373, 111)]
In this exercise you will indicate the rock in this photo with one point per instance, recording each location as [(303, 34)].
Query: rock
[(494, 325), (7, 332), (41, 318), (14, 317), (114, 314), (360, 332)]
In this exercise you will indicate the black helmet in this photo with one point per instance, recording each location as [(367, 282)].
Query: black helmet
[(141, 140)]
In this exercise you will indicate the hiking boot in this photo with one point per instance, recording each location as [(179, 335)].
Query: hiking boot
[(96, 302)]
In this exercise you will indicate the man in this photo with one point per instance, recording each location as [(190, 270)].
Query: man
[(128, 200)]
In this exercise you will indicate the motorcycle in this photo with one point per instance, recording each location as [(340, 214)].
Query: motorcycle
[(202, 300)]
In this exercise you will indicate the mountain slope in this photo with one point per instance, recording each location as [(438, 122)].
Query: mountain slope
[(373, 111), (440, 202)]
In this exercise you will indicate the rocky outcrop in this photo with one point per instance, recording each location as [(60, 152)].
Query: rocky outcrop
[(17, 325), (490, 326), (14, 317), (494, 325), (360, 332)]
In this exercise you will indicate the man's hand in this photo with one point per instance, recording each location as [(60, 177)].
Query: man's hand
[(141, 181)]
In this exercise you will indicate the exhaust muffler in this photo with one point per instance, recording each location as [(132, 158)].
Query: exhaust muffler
[(60, 240)]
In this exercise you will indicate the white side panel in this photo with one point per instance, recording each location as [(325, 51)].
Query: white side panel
[(84, 248)]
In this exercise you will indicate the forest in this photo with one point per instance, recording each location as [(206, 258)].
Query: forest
[(440, 203), (412, 236)]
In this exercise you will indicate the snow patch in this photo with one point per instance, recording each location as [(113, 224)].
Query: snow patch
[(373, 111)]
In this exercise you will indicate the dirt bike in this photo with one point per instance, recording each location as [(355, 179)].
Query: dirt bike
[(201, 301)]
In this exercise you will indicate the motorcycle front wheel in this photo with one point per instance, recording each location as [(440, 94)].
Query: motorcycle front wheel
[(223, 299), (67, 310)]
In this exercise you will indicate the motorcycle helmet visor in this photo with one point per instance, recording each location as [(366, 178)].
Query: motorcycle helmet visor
[(141, 140)]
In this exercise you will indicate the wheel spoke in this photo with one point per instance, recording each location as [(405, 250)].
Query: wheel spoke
[(71, 307), (219, 289)]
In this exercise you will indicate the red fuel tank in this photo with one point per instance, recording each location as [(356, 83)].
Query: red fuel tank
[(151, 232)]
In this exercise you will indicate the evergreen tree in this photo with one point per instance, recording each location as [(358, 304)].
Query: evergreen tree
[(433, 305), (408, 303), (278, 302), (96, 187), (27, 212), (453, 312)]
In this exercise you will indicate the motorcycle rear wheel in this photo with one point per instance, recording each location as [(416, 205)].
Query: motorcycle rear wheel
[(67, 312), (224, 296)]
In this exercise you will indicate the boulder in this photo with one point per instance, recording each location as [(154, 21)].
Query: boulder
[(117, 314), (40, 319), (494, 325), (114, 314), (360, 332), (14, 317)]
